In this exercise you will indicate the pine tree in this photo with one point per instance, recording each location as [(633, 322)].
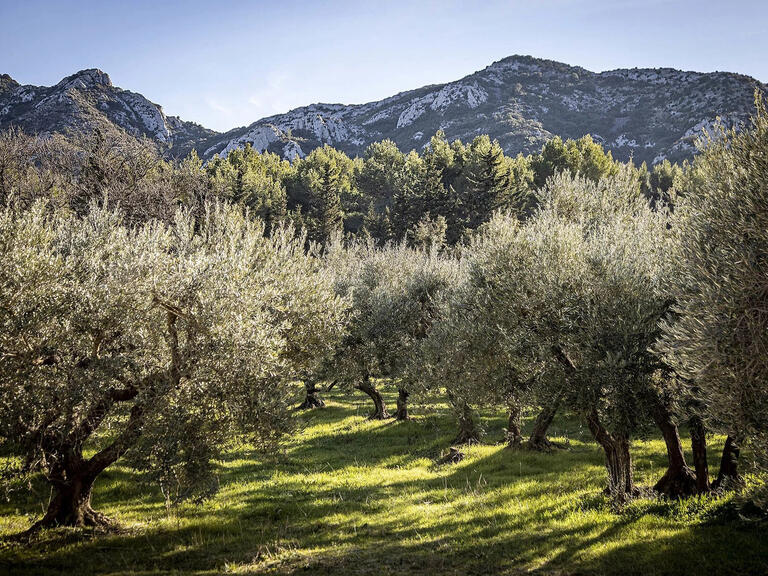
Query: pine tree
[(325, 204), (378, 225), (378, 176), (583, 156), (488, 182)]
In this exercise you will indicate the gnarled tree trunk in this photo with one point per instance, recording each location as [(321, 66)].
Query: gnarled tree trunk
[(538, 439), (402, 404), (71, 504), (729, 463), (618, 461), (469, 432), (699, 449), (514, 429), (312, 399), (379, 409), (72, 479), (679, 480)]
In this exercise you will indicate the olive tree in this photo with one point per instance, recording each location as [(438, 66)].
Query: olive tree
[(448, 362), (717, 338), (622, 245), (155, 342), (427, 278), (393, 292), (479, 351), (565, 306), (356, 270)]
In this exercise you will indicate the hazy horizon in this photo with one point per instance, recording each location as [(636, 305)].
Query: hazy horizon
[(230, 65)]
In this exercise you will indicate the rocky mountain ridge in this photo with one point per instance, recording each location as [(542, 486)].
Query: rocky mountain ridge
[(88, 100), (647, 114)]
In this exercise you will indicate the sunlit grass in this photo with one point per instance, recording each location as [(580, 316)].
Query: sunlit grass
[(352, 496)]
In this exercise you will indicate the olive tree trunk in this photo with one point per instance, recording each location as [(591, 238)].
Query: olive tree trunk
[(402, 404), (72, 483), (679, 480), (312, 398), (538, 440), (71, 504), (469, 431), (379, 408), (514, 429), (729, 463), (618, 460), (699, 449)]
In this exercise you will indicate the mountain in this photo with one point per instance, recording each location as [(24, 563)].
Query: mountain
[(88, 100), (649, 114)]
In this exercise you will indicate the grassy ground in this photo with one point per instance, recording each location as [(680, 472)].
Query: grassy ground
[(351, 496)]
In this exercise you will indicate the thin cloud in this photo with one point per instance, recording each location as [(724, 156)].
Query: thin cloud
[(276, 95), (218, 107)]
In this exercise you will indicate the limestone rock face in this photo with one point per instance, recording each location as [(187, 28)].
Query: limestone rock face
[(646, 114), (88, 100)]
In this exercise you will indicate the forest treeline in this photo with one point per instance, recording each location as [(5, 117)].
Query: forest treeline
[(162, 311), (385, 195)]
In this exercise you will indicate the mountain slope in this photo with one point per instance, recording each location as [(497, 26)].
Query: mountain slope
[(649, 114), (88, 100), (522, 101)]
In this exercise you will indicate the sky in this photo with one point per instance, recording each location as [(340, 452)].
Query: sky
[(227, 64)]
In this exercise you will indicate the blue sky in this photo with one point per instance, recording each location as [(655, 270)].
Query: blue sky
[(227, 64)]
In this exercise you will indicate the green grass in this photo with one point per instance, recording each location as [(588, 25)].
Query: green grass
[(351, 496)]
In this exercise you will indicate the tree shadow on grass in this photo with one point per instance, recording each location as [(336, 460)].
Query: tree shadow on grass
[(557, 551), (361, 499), (452, 547)]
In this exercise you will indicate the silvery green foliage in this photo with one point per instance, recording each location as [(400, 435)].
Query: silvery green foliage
[(494, 341), (581, 281), (613, 277), (163, 340), (394, 293), (479, 350), (717, 337)]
